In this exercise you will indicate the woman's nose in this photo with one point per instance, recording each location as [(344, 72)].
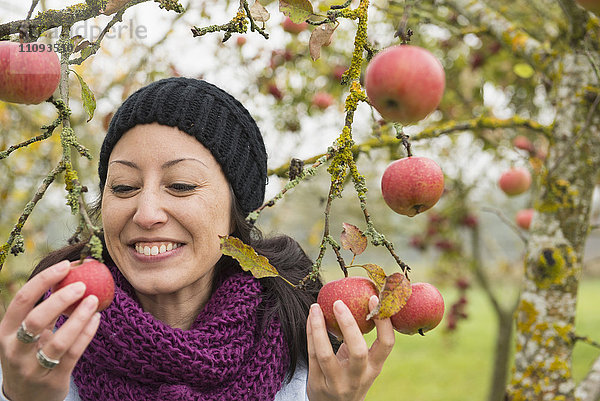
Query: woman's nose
[(150, 210)]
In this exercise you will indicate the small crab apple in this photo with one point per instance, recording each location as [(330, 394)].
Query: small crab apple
[(515, 181), (97, 279), (523, 218), (423, 311), (523, 143), (291, 27), (355, 292), (590, 5), (412, 185), (405, 83), (322, 100), (27, 76)]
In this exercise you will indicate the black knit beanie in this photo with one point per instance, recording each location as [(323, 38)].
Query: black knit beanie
[(213, 117)]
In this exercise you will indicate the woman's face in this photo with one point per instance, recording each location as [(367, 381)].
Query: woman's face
[(164, 205)]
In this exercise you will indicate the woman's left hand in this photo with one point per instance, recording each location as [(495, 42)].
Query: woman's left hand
[(348, 374)]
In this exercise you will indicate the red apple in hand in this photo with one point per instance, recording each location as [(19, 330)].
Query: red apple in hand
[(405, 83), (355, 292), (28, 77), (412, 185), (515, 181), (97, 279), (423, 310), (590, 5), (524, 218)]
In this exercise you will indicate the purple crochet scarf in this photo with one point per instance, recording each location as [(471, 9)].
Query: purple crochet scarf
[(223, 356)]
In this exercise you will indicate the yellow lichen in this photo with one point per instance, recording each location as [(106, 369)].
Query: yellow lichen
[(527, 315)]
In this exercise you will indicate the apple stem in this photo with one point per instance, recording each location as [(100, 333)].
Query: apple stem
[(403, 137), (421, 332)]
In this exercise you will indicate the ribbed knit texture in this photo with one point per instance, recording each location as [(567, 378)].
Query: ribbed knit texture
[(212, 116), (223, 356)]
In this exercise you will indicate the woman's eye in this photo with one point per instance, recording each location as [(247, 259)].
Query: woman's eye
[(180, 187), (121, 189)]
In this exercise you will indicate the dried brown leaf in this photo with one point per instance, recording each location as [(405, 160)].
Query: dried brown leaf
[(320, 36), (259, 13), (353, 239), (392, 297)]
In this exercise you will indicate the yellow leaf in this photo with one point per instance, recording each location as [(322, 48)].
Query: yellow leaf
[(247, 257), (392, 297), (376, 273)]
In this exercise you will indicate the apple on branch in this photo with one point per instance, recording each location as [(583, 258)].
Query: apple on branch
[(423, 311), (27, 76), (412, 185), (291, 27), (405, 83), (322, 100), (523, 218), (355, 292), (515, 181)]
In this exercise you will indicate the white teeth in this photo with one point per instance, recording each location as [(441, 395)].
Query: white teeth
[(155, 249)]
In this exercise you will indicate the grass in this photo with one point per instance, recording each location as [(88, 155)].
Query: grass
[(458, 366)]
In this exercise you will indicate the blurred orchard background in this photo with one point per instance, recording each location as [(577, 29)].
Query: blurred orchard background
[(524, 68)]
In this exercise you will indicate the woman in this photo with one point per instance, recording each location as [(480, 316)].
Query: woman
[(183, 162)]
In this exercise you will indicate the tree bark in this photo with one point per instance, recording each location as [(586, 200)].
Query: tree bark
[(501, 356), (589, 388), (545, 316)]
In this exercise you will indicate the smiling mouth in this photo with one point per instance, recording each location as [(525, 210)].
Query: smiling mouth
[(157, 249)]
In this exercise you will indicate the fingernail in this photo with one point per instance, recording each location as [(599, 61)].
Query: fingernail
[(90, 302), (62, 266), (339, 306), (77, 288), (315, 310)]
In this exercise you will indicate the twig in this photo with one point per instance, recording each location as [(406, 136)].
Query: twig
[(507, 221), (93, 48), (306, 172), (584, 339), (39, 194), (50, 19), (62, 110), (253, 26)]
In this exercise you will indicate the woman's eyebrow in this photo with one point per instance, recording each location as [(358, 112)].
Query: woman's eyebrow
[(171, 163), (165, 165)]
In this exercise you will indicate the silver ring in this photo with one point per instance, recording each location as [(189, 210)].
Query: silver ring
[(25, 336), (45, 361)]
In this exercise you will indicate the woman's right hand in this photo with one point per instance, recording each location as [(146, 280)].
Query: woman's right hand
[(24, 378)]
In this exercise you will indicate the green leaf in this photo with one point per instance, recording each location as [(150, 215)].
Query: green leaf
[(89, 100), (297, 10), (393, 296), (247, 257), (523, 70)]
